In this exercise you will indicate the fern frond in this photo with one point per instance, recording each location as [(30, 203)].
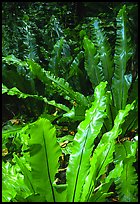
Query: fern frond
[(11, 59), (14, 91), (88, 130), (60, 59), (44, 156), (126, 184), (60, 84), (123, 52), (74, 65), (29, 41), (56, 57), (103, 154), (92, 65), (101, 192), (104, 50)]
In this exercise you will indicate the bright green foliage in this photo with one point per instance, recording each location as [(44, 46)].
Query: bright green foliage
[(103, 154), (12, 183), (88, 130), (123, 51), (44, 152), (101, 192), (84, 79), (127, 182), (81, 182), (101, 66)]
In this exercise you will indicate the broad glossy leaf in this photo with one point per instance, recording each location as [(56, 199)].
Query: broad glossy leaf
[(126, 183), (104, 50), (123, 51), (103, 154), (131, 122), (120, 88), (45, 153), (83, 144), (109, 120), (92, 66)]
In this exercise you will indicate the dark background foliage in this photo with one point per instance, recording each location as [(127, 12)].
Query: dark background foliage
[(31, 29)]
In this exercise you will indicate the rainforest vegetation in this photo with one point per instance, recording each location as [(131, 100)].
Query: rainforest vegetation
[(69, 102)]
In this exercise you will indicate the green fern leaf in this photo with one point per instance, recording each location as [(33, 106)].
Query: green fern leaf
[(103, 154), (14, 91), (88, 130), (92, 65), (44, 156), (126, 184), (11, 59), (101, 192), (104, 50), (74, 70), (123, 51), (56, 57), (60, 84), (26, 173)]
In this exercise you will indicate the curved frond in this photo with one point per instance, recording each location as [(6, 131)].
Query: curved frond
[(101, 192), (60, 84), (14, 91), (56, 57), (44, 156), (103, 154), (92, 65), (104, 50), (123, 51), (83, 143), (74, 69), (59, 57), (126, 183)]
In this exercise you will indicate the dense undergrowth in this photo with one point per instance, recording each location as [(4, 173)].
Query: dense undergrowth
[(70, 104)]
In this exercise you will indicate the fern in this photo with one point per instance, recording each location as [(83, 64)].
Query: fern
[(83, 144), (92, 65), (74, 69), (56, 57), (60, 84), (126, 183), (103, 154), (101, 192), (44, 153), (29, 41), (60, 58), (14, 91), (104, 50), (92, 161), (11, 177), (123, 52)]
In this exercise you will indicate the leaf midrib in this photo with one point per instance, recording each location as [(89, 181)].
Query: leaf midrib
[(47, 165)]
